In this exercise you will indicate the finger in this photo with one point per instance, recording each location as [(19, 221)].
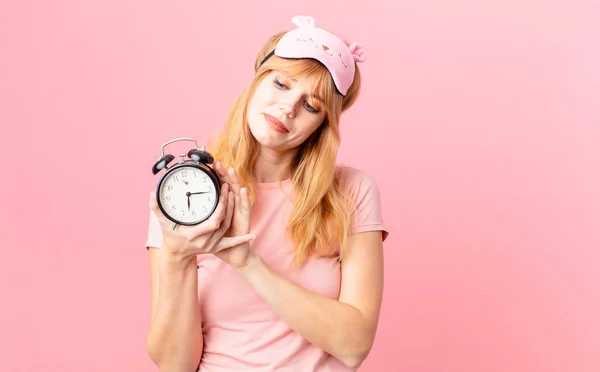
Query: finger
[(220, 232), (230, 207), (233, 176), (213, 223), (221, 171), (245, 201), (233, 241), (235, 186), (162, 219), (235, 183)]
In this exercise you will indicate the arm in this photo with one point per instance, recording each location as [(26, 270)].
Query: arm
[(174, 340), (344, 328)]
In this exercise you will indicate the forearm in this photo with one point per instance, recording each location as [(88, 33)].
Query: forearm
[(174, 340), (338, 328)]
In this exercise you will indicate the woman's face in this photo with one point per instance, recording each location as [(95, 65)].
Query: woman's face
[(283, 113)]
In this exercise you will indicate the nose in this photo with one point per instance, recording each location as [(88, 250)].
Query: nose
[(288, 108), (290, 102)]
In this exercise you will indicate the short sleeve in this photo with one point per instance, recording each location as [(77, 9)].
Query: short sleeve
[(155, 236), (368, 215)]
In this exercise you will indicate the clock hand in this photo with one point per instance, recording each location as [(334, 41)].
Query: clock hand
[(188, 194)]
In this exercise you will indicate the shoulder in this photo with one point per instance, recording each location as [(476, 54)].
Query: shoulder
[(363, 189), (356, 180)]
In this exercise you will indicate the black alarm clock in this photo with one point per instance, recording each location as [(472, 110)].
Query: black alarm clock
[(188, 192)]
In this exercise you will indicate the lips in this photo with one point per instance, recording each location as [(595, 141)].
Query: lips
[(276, 124)]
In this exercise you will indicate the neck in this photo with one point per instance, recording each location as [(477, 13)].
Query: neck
[(270, 165)]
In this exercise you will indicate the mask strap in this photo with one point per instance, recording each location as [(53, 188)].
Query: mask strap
[(266, 58)]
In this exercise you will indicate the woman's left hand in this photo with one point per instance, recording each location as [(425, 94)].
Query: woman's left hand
[(240, 224), (238, 256)]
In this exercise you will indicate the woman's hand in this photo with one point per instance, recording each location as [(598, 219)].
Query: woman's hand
[(185, 242), (238, 256), (240, 223)]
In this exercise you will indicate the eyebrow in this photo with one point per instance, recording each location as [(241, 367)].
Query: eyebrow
[(317, 97), (282, 75)]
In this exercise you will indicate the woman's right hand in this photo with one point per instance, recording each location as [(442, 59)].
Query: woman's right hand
[(185, 242)]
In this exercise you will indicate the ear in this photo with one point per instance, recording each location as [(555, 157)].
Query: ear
[(357, 52), (303, 21)]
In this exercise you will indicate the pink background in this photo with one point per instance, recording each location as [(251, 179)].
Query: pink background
[(478, 118)]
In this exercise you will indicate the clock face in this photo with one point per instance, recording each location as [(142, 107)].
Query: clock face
[(187, 194)]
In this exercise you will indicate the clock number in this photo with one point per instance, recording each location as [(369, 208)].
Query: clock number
[(169, 187), (184, 173)]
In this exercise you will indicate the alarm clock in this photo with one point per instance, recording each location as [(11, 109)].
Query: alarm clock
[(187, 192)]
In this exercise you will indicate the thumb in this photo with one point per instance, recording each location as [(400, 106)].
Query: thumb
[(157, 212), (232, 241)]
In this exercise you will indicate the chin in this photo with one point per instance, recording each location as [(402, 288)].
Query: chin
[(273, 144), (264, 135)]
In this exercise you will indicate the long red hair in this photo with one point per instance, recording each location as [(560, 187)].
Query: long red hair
[(319, 222)]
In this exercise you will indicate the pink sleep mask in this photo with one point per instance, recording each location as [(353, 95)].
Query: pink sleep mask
[(308, 41)]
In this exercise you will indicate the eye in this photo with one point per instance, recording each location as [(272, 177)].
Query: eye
[(310, 108), (279, 84)]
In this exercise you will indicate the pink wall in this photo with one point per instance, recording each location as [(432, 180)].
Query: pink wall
[(479, 119)]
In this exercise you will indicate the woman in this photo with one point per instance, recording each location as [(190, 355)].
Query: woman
[(287, 274)]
